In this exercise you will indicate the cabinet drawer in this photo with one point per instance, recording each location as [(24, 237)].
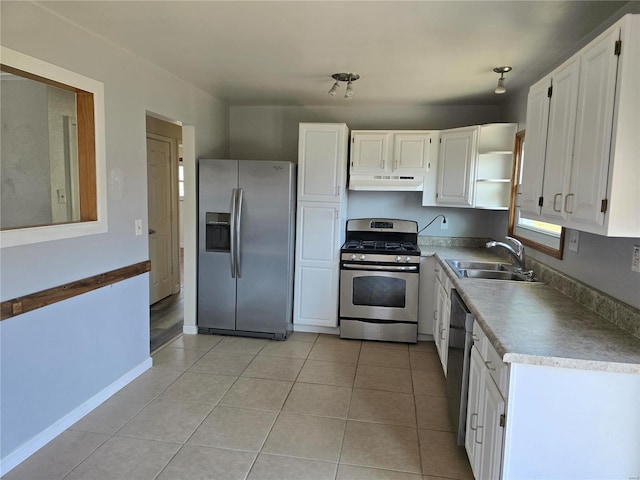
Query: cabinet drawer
[(480, 340), (442, 277), (497, 369)]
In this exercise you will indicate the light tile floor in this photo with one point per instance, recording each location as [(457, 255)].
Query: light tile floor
[(225, 408)]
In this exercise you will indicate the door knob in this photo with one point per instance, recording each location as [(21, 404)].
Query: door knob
[(152, 231)]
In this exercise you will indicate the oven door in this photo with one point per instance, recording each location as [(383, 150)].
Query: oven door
[(374, 292)]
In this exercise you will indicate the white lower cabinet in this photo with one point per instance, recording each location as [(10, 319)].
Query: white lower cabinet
[(441, 321), (317, 268), (485, 412), (427, 300)]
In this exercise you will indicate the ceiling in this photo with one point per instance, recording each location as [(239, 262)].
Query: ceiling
[(406, 52)]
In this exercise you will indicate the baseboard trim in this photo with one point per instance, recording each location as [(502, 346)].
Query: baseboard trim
[(190, 329), (316, 329), (27, 449)]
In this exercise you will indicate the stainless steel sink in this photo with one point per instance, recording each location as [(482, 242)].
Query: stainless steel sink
[(489, 270), (463, 265), (491, 274)]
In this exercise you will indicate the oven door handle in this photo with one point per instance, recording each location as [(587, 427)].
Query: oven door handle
[(387, 268)]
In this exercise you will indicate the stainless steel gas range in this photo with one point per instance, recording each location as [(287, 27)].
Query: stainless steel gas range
[(379, 280)]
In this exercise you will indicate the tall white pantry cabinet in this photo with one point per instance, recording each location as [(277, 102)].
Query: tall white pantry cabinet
[(321, 216)]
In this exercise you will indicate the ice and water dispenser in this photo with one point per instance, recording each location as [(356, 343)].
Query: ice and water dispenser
[(218, 231)]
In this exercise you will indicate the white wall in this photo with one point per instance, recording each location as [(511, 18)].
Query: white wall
[(55, 358), (271, 133), (603, 263)]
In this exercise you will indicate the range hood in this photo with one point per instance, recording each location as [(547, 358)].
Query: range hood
[(388, 183)]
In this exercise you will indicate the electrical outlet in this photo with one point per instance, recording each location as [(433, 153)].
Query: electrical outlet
[(635, 260), (138, 226), (574, 240), (444, 224)]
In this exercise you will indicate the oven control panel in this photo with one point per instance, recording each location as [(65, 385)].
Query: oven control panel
[(379, 258)]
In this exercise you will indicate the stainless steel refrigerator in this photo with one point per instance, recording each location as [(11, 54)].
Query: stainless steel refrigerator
[(246, 215)]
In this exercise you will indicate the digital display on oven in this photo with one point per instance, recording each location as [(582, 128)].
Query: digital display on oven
[(381, 224)]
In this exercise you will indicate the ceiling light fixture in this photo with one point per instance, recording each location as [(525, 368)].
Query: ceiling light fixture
[(500, 89), (343, 77)]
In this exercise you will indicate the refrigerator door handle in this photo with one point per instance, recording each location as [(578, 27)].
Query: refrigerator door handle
[(238, 231), (232, 239)]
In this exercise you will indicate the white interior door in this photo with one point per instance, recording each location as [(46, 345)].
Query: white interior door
[(159, 198)]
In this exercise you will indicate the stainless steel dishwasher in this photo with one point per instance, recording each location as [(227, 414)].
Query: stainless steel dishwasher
[(459, 350)]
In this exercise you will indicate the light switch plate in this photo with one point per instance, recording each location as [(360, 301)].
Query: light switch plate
[(138, 226), (574, 240)]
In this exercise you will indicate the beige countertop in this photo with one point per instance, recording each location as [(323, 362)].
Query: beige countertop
[(533, 323)]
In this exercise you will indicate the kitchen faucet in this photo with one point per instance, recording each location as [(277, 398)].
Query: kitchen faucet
[(517, 253)]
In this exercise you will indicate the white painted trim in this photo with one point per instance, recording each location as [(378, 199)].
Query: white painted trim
[(190, 226), (316, 329), (26, 236), (190, 329), (27, 449)]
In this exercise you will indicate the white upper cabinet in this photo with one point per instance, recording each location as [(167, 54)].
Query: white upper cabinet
[(594, 120), (411, 152), (321, 176), (494, 166), (561, 129), (456, 166), (392, 160), (370, 152), (535, 144), (581, 167), (474, 167)]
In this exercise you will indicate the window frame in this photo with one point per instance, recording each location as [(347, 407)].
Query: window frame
[(91, 151), (513, 206)]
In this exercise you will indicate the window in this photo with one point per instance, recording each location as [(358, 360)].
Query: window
[(545, 237), (53, 158)]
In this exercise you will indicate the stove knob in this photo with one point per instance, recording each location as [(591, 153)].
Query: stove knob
[(353, 256), (398, 258), (407, 260), (362, 257)]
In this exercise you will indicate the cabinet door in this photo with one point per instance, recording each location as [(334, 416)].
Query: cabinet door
[(442, 334), (411, 152), (472, 439), (426, 300), (322, 162), (535, 148), (370, 152), (456, 165), (491, 431), (560, 136), (589, 171), (317, 267)]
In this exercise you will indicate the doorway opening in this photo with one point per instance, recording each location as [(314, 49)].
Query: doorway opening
[(165, 189)]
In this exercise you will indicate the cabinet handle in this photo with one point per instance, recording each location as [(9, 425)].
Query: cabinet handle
[(475, 337), (566, 203), (437, 270), (488, 365), (555, 198), (471, 421), (442, 334), (435, 314), (479, 429), (395, 165)]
